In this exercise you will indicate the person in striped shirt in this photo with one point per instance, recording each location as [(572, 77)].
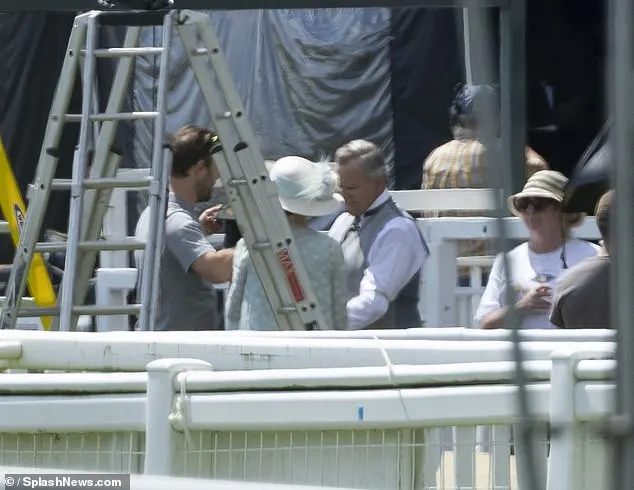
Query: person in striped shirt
[(459, 163)]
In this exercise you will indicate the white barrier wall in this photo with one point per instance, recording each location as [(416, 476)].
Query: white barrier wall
[(131, 351), (361, 428), (227, 351), (448, 333)]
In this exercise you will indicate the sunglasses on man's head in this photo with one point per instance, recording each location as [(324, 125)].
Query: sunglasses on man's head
[(212, 145), (537, 203)]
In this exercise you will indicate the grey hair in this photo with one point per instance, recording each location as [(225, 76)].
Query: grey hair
[(369, 156)]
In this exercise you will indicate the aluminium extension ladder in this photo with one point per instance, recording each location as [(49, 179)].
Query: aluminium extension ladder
[(252, 195), (13, 209), (90, 187)]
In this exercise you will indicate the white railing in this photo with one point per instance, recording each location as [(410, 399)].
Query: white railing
[(358, 427), (372, 432), (467, 298), (232, 429), (115, 223), (443, 305), (236, 351), (438, 200), (131, 351), (437, 334), (438, 305), (582, 398)]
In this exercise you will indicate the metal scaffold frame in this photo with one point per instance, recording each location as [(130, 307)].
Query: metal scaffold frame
[(621, 65)]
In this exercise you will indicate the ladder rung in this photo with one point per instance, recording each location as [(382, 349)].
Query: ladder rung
[(236, 182), (104, 183), (4, 227), (117, 52), (117, 116), (261, 245), (287, 309), (101, 245), (81, 310)]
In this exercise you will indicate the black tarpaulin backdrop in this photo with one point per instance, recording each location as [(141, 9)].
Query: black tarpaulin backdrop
[(425, 63), (32, 48), (31, 53)]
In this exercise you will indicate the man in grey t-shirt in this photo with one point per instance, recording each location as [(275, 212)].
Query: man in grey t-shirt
[(582, 294), (189, 264)]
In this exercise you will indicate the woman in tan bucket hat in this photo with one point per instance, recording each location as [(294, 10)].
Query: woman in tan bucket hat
[(536, 264)]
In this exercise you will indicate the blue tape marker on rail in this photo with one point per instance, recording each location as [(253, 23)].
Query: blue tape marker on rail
[(360, 413)]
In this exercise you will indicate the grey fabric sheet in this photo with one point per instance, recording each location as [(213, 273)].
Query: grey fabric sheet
[(310, 80)]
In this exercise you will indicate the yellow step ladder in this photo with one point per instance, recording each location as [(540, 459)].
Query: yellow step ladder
[(14, 211)]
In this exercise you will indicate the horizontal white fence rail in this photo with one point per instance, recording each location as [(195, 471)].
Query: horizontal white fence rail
[(448, 333), (354, 436), (131, 351), (364, 428), (446, 199)]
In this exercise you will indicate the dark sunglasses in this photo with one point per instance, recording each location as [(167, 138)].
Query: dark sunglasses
[(537, 203)]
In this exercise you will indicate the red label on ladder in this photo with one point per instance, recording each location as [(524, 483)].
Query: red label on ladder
[(291, 275)]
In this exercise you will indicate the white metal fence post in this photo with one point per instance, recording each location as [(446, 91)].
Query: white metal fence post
[(564, 467), (159, 441)]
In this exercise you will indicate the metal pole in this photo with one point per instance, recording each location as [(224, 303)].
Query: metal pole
[(513, 129), (502, 172), (466, 34), (620, 90), (158, 194), (513, 90), (480, 66)]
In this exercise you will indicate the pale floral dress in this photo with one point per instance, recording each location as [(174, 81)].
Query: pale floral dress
[(247, 307)]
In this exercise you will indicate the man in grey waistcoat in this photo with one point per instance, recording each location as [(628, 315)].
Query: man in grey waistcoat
[(382, 246)]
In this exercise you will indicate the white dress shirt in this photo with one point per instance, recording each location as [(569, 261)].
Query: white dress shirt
[(395, 256)]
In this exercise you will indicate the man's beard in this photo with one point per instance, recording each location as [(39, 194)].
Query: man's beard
[(204, 194)]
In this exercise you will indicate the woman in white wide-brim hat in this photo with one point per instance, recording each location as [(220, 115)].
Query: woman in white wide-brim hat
[(536, 264), (306, 189)]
